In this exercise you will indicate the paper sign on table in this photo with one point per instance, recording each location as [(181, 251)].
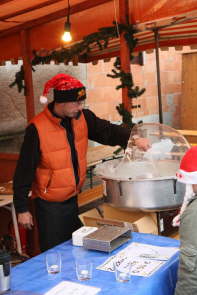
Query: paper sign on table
[(139, 266), (144, 259), (70, 288), (149, 251)]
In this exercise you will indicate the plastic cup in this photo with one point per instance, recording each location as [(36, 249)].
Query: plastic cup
[(53, 262), (83, 270), (122, 272)]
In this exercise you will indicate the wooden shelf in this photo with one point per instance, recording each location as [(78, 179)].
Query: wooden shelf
[(90, 195)]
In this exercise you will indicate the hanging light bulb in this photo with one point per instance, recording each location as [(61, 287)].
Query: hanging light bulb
[(66, 37)]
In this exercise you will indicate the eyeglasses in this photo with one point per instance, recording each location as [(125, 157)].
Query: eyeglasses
[(78, 103)]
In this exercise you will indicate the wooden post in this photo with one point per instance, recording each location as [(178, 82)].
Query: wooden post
[(26, 56), (124, 50), (156, 34)]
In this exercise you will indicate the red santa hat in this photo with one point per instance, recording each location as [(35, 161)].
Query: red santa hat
[(187, 174), (66, 89), (188, 167)]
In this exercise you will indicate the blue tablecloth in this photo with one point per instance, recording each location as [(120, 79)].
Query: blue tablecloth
[(31, 276)]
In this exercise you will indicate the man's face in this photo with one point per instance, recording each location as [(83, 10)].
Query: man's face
[(70, 109)]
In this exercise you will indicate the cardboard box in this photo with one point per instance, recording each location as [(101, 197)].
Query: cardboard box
[(145, 222), (120, 214), (137, 221), (108, 212), (147, 225)]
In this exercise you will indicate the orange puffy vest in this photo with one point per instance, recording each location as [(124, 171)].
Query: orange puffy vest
[(55, 179)]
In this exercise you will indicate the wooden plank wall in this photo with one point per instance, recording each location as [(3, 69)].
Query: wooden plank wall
[(188, 107), (7, 166)]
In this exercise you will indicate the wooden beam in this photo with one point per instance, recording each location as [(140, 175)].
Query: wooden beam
[(5, 1), (26, 55), (6, 156), (124, 50), (53, 16), (188, 132), (29, 9), (7, 166), (100, 56)]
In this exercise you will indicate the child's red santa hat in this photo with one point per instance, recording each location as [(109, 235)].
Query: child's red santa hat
[(66, 89), (188, 167)]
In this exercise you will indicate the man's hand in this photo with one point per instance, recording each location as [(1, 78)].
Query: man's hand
[(25, 219), (142, 143)]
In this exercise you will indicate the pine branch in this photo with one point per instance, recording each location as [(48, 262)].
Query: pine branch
[(19, 80), (100, 38), (126, 79)]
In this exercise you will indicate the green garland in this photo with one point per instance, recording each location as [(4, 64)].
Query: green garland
[(81, 50), (126, 79)]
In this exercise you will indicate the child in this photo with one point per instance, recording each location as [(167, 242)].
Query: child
[(187, 273)]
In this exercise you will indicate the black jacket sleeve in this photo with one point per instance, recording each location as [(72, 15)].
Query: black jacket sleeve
[(104, 132), (25, 169)]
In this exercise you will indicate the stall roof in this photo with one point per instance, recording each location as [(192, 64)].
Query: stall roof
[(45, 19)]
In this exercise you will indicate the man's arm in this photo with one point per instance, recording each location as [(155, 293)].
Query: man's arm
[(104, 132), (24, 174)]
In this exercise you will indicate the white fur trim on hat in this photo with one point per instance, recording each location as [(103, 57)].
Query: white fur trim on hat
[(187, 177), (43, 99)]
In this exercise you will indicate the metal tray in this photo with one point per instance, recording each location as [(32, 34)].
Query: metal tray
[(107, 238)]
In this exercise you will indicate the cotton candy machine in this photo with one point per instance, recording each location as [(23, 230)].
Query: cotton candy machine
[(146, 180)]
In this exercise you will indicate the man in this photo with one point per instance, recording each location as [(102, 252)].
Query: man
[(52, 161), (187, 273)]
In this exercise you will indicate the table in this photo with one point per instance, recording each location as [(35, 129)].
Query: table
[(31, 276), (6, 201), (97, 154)]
